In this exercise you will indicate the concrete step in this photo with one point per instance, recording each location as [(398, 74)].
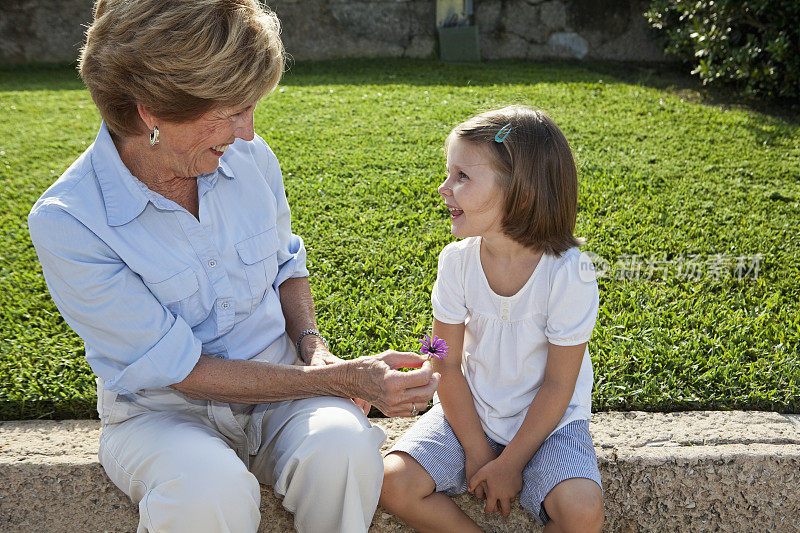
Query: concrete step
[(697, 471)]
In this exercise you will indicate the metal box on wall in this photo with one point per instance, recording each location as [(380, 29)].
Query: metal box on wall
[(458, 35)]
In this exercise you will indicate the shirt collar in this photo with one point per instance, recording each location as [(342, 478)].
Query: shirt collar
[(124, 196), (224, 168)]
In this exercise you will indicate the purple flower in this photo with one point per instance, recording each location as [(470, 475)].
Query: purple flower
[(436, 347)]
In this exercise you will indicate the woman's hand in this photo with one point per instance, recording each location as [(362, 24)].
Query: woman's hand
[(503, 483), (322, 357), (376, 379)]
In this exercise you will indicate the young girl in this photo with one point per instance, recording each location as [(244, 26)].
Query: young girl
[(516, 302)]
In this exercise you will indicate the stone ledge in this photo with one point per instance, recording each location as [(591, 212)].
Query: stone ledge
[(697, 471)]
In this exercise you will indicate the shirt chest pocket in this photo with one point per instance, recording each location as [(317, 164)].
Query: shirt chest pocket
[(180, 294), (259, 255)]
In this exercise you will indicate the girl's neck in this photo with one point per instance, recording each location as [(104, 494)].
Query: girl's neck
[(507, 264), (500, 247)]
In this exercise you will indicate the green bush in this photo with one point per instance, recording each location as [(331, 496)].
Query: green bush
[(754, 44)]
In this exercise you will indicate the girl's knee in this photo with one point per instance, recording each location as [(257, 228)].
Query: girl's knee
[(405, 482), (576, 505), (588, 514), (395, 480)]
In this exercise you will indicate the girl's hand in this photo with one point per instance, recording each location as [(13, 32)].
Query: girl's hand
[(474, 462), (503, 483)]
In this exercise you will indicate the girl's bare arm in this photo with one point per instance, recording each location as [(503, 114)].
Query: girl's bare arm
[(455, 395)]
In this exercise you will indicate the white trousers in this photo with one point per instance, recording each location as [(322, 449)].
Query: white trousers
[(195, 466)]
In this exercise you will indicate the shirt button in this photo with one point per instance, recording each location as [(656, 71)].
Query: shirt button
[(225, 305), (212, 263)]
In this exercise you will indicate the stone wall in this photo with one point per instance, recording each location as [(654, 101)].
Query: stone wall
[(566, 29), (42, 30), (52, 30)]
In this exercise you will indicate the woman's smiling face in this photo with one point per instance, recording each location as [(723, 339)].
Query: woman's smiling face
[(470, 191), (188, 149)]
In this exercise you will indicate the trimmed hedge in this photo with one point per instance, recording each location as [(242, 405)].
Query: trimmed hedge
[(754, 44)]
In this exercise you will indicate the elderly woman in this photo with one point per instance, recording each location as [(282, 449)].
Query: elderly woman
[(167, 246)]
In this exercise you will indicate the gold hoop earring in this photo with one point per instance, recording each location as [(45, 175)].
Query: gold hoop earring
[(154, 136)]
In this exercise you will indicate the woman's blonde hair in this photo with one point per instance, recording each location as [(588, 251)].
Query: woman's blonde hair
[(178, 58), (536, 173)]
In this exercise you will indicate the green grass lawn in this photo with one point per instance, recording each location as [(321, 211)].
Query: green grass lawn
[(663, 175)]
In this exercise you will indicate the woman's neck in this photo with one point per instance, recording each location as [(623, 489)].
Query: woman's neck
[(153, 171)]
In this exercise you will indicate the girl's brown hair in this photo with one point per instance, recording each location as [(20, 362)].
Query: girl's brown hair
[(536, 173)]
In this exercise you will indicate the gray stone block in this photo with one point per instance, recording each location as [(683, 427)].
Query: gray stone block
[(422, 18), (568, 45), (378, 21), (487, 15), (40, 30), (421, 46), (615, 30), (554, 16), (520, 19)]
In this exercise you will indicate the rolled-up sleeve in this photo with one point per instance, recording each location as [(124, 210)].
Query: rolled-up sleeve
[(291, 250), (133, 342)]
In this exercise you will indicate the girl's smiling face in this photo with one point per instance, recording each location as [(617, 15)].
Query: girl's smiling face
[(188, 149), (470, 191)]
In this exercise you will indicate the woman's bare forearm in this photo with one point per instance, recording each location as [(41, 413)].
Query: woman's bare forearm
[(374, 379), (297, 304), (243, 381)]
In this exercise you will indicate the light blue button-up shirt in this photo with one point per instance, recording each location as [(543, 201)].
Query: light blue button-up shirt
[(149, 287)]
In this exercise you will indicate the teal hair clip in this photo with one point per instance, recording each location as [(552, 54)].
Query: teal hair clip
[(503, 133)]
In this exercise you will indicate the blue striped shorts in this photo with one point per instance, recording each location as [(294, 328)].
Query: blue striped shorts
[(567, 453)]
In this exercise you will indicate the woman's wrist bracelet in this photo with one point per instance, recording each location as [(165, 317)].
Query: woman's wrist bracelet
[(309, 332)]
